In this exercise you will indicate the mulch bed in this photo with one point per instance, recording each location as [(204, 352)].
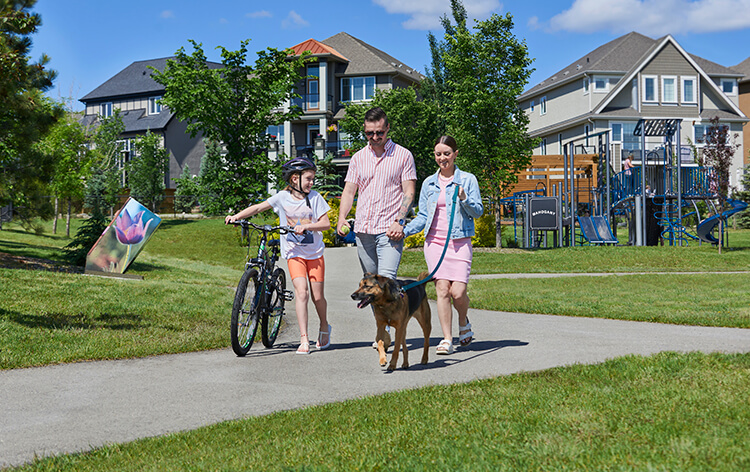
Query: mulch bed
[(9, 261)]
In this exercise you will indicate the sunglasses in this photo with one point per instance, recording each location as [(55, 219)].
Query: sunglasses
[(370, 134)]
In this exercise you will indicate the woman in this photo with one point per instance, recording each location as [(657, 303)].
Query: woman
[(435, 207)]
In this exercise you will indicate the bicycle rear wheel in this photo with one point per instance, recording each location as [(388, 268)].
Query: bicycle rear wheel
[(245, 317), (271, 318)]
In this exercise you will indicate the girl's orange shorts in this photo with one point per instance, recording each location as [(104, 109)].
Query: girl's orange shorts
[(314, 269)]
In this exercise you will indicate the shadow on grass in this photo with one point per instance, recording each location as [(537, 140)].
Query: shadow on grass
[(167, 224), (31, 250), (60, 321)]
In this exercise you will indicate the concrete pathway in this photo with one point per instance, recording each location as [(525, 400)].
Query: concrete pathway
[(76, 407)]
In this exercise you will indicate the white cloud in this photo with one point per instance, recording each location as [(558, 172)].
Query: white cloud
[(653, 17), (425, 14), (293, 21), (166, 14), (533, 23), (259, 14)]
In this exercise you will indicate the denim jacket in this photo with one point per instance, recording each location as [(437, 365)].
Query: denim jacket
[(463, 221)]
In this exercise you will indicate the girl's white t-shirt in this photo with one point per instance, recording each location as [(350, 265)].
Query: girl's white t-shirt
[(294, 212)]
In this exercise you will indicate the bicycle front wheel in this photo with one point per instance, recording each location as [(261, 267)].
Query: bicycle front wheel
[(271, 318), (245, 314)]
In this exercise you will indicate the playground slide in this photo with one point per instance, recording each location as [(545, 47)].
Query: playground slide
[(707, 226)]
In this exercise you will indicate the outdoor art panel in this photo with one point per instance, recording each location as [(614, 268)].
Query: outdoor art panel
[(120, 243)]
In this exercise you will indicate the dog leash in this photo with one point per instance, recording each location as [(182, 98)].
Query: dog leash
[(445, 248)]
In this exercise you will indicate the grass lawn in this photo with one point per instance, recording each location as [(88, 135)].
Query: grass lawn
[(665, 412), (671, 412)]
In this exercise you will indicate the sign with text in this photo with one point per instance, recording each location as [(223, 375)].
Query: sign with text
[(543, 212)]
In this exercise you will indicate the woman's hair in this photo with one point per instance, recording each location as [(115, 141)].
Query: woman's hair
[(449, 141)]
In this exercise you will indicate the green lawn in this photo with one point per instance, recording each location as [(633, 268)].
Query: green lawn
[(665, 412), (670, 412)]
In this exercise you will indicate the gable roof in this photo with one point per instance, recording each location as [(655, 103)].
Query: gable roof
[(743, 68), (133, 80), (662, 43), (317, 48), (622, 55), (366, 59)]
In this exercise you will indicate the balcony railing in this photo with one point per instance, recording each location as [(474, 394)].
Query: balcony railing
[(311, 102)]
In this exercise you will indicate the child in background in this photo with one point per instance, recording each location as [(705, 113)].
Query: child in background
[(306, 211)]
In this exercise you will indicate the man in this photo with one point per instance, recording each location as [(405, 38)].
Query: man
[(384, 175)]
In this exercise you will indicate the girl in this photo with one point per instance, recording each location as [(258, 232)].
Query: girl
[(306, 211), (435, 206)]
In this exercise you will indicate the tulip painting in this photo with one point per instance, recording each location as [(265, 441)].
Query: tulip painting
[(123, 239), (131, 230)]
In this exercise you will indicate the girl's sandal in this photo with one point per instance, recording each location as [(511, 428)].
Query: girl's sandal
[(468, 336), (304, 346)]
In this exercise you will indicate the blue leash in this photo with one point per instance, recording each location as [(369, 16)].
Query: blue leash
[(445, 248)]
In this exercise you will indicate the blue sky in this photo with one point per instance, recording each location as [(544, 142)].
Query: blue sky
[(89, 41)]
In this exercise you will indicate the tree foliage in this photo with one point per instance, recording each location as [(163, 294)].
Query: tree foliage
[(414, 124), (476, 77), (718, 154), (186, 191), (743, 218), (147, 170), (25, 114), (234, 104), (106, 174)]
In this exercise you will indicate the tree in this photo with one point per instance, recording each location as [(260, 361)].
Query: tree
[(414, 125), (477, 77), (211, 181), (744, 195), (233, 104), (326, 176), (146, 171), (66, 145), (25, 114), (186, 193), (106, 179), (718, 154)]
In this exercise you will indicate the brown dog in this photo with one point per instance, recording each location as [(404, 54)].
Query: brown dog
[(393, 307)]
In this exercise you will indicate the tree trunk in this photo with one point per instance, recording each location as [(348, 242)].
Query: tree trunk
[(54, 219), (67, 220), (721, 232), (498, 228)]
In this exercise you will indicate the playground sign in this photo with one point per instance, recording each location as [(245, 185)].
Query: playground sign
[(543, 212)]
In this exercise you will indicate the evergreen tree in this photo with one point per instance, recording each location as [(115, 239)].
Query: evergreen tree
[(186, 193), (147, 171)]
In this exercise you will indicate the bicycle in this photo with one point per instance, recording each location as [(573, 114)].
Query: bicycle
[(261, 292)]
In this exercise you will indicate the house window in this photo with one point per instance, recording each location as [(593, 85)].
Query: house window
[(616, 132), (649, 89), (276, 132), (560, 143), (543, 106), (313, 84), (105, 110), (154, 107), (586, 132), (544, 146), (729, 86), (355, 89), (585, 85), (699, 133), (532, 105), (630, 142), (689, 90), (600, 84), (668, 89)]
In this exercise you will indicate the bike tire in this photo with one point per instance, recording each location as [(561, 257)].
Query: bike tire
[(245, 314), (272, 316)]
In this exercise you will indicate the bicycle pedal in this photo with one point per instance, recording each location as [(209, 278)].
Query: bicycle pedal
[(288, 295)]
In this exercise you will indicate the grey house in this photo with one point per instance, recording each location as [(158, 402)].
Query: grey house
[(630, 78), (347, 70), (136, 94)]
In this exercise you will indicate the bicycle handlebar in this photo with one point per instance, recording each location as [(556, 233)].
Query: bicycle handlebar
[(265, 228)]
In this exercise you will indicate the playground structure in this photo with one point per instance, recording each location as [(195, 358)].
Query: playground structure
[(592, 194)]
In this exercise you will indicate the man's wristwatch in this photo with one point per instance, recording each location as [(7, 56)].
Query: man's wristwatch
[(401, 222)]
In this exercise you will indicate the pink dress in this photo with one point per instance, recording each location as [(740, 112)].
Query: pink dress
[(456, 265)]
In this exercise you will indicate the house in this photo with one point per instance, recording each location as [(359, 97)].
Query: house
[(744, 100), (137, 95), (346, 69), (630, 78)]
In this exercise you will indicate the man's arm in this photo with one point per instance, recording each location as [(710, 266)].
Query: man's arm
[(347, 200), (409, 187)]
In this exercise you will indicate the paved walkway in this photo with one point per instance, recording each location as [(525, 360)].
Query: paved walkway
[(76, 407)]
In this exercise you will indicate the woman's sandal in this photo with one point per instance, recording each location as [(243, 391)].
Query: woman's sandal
[(444, 348), (304, 346), (466, 338), (321, 333)]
